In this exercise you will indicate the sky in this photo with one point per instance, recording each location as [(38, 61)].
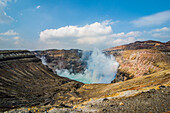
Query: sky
[(81, 24)]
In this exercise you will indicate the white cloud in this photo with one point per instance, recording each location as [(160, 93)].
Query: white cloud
[(9, 33), (161, 29), (110, 22), (129, 34), (10, 40), (120, 41), (92, 30), (91, 40), (17, 40), (160, 32), (96, 35), (3, 39), (160, 35), (4, 18), (133, 33), (155, 19), (122, 34), (38, 6), (3, 3)]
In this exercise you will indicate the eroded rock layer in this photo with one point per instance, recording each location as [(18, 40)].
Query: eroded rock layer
[(25, 81), (140, 58), (134, 63)]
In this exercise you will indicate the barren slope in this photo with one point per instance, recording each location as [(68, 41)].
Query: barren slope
[(142, 94), (24, 81), (140, 58), (134, 63), (32, 87)]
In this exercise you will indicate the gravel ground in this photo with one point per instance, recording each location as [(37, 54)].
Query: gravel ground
[(153, 101)]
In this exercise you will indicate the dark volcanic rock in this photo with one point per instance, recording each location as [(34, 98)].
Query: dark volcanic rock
[(121, 76), (25, 81)]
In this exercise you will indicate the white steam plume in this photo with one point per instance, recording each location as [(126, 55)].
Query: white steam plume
[(100, 69), (43, 59)]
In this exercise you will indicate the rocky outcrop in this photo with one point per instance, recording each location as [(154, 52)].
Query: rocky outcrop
[(25, 81)]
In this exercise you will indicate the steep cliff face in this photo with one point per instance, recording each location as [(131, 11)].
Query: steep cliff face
[(140, 58), (134, 63), (25, 81), (63, 59)]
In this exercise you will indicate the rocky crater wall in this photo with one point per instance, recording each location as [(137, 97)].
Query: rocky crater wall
[(63, 59), (134, 63), (25, 81)]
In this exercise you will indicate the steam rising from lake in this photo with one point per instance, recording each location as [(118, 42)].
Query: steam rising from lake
[(43, 59), (100, 69)]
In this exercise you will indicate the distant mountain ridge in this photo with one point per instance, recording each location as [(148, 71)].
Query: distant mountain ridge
[(150, 44)]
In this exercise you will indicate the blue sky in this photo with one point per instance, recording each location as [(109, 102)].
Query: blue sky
[(83, 24)]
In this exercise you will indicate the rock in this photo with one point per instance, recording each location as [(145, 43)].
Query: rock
[(111, 105), (65, 106), (104, 110), (52, 102), (121, 103), (162, 87), (63, 59), (105, 99), (152, 91)]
